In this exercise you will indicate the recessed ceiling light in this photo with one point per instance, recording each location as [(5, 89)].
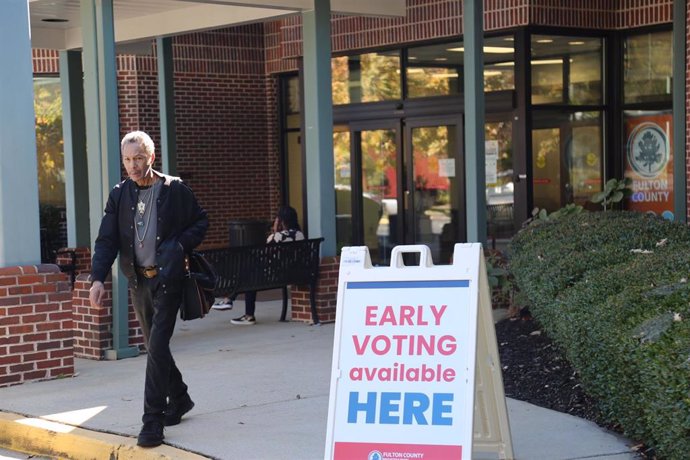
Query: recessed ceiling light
[(545, 40), (487, 49), (441, 59), (576, 43), (509, 39), (54, 20), (547, 61)]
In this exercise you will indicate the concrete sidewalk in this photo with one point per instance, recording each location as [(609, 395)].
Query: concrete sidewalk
[(261, 392)]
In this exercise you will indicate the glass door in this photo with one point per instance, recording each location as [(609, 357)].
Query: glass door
[(500, 180), (435, 185), (367, 181)]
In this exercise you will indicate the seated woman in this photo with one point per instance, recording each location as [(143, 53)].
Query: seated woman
[(285, 229)]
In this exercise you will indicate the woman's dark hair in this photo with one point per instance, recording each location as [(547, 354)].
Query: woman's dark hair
[(288, 218)]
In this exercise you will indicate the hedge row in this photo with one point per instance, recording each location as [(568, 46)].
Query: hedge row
[(611, 289)]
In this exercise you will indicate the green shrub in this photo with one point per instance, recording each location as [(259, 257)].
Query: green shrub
[(611, 290)]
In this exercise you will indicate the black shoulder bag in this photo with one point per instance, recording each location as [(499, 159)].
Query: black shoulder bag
[(197, 290)]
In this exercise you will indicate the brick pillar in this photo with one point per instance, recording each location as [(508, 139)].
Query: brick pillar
[(93, 326), (326, 294), (36, 336), (82, 259)]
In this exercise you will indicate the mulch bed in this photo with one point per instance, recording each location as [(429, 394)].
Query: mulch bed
[(536, 371)]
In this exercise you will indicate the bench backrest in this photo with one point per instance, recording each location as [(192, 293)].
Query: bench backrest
[(265, 266)]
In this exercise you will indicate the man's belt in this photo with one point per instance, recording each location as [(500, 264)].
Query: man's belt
[(147, 272)]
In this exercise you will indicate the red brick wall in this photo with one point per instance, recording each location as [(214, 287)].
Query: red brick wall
[(36, 327), (434, 19), (45, 61), (326, 294), (93, 326)]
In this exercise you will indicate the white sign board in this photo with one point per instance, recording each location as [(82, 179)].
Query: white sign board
[(404, 359)]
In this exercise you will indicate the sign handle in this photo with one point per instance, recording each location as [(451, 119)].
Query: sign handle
[(421, 249)]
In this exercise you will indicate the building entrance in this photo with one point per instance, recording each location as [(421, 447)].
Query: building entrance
[(400, 181)]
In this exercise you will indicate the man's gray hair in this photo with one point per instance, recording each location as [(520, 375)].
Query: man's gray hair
[(140, 138)]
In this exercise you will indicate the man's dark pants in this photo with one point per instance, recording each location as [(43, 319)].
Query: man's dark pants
[(156, 303)]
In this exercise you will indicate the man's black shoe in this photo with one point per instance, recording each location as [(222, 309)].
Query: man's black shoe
[(151, 435), (176, 409)]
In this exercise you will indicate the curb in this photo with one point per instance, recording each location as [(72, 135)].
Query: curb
[(20, 433)]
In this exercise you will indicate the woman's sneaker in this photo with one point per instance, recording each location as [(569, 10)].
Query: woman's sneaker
[(222, 303), (244, 320)]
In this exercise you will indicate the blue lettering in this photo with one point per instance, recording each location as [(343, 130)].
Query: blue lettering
[(415, 408), (368, 407), (389, 403), (415, 405), (442, 406)]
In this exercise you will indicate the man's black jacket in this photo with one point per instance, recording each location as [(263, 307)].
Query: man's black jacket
[(181, 226)]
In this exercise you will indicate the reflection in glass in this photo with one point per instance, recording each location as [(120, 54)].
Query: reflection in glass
[(584, 162), (343, 181), (436, 193), (649, 161), (368, 77), (499, 63), (567, 158), (546, 168), (379, 193), (293, 150), (566, 70), (648, 67), (499, 179), (436, 70), (292, 95), (51, 169)]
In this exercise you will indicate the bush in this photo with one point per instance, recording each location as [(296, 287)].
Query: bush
[(611, 290)]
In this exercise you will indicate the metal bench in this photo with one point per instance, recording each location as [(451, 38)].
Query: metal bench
[(268, 266)]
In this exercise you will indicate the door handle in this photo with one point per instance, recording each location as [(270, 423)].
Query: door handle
[(520, 177)]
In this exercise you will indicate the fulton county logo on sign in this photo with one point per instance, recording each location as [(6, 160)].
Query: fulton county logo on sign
[(648, 152), (404, 358)]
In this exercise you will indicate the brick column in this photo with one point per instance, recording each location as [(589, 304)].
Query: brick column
[(93, 326), (82, 259), (36, 336), (326, 294)]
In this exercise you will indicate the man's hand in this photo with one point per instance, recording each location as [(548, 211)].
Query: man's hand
[(96, 294)]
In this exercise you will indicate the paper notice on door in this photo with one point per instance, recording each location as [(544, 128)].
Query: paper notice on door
[(446, 167), (491, 162)]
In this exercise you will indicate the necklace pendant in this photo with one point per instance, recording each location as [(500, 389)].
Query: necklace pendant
[(141, 207), (141, 244)]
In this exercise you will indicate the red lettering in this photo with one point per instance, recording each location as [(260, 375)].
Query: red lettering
[(370, 315)]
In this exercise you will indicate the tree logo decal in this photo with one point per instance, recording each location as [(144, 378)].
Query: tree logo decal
[(648, 152)]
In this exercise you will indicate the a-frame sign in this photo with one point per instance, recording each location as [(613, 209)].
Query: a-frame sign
[(415, 371)]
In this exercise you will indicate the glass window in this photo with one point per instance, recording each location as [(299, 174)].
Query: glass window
[(343, 186), (371, 77), (436, 70), (51, 169), (499, 63), (499, 179), (292, 95), (648, 67), (379, 191), (567, 158), (566, 70), (649, 161), (292, 145), (51, 165)]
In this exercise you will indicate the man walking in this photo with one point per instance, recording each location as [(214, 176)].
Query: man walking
[(152, 220)]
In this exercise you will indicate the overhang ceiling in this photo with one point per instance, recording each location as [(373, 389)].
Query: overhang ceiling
[(56, 24)]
